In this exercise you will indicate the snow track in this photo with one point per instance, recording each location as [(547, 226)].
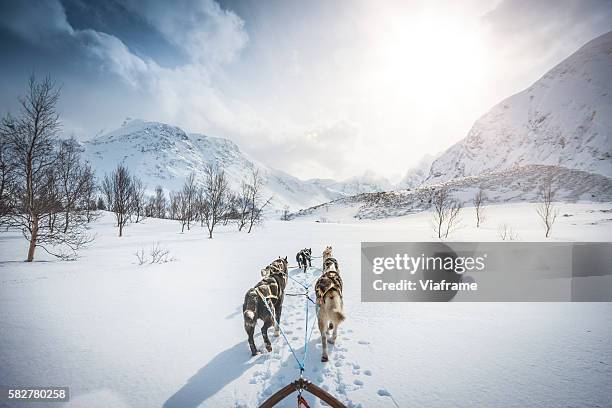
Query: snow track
[(338, 376)]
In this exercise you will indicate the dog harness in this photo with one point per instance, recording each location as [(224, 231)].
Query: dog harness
[(328, 281)]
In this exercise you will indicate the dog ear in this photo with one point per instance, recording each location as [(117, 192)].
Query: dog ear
[(285, 259)]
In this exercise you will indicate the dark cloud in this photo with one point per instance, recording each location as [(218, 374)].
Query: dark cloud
[(113, 17)]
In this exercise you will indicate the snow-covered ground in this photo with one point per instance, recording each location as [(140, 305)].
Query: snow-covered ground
[(124, 335)]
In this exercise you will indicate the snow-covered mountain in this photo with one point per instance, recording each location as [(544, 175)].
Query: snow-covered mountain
[(565, 118), (417, 174), (165, 155), (366, 183)]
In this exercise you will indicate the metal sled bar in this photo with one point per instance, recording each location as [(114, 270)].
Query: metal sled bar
[(305, 385)]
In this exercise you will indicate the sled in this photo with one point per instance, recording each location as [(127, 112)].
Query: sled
[(299, 386)]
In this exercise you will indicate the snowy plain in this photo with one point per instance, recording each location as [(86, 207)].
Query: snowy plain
[(127, 335)]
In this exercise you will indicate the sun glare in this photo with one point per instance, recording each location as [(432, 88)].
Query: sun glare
[(429, 58)]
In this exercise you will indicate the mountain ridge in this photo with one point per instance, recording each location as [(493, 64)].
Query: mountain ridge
[(564, 118), (163, 154)]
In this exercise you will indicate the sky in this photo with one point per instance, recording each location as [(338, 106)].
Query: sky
[(319, 89)]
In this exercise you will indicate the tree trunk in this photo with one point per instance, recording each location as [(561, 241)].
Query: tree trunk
[(33, 239), (66, 223)]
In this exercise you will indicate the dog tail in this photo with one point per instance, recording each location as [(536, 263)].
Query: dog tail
[(334, 301)]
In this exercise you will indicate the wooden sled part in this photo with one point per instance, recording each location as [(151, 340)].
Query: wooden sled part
[(305, 385)]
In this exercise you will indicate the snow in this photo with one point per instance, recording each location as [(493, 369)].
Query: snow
[(564, 118), (124, 335)]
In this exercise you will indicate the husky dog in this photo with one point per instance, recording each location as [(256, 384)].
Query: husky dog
[(329, 298), (327, 253), (277, 266), (304, 258), (269, 291)]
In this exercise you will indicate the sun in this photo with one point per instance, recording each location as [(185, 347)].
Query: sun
[(428, 58)]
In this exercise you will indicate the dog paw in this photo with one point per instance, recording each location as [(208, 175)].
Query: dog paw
[(324, 359), (269, 347)]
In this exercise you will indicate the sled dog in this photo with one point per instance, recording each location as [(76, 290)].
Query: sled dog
[(265, 301), (329, 298), (304, 258)]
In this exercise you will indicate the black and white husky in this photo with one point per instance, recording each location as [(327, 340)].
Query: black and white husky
[(329, 298), (265, 301), (304, 258)]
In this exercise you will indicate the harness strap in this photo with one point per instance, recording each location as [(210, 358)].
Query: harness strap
[(302, 402)]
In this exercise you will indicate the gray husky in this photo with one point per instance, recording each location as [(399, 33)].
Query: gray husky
[(265, 301)]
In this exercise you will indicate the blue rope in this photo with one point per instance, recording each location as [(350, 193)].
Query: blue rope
[(306, 332), (307, 337), (285, 337), (298, 282), (310, 335)]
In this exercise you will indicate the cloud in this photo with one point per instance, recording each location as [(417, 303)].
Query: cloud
[(184, 94), (208, 34), (115, 57), (35, 21), (546, 29), (318, 91), (44, 23), (332, 148)]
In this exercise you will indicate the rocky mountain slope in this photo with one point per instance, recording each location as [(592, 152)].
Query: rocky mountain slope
[(519, 184)]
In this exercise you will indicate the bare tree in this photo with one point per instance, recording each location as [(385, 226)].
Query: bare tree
[(256, 205), (7, 172), (138, 199), (479, 200), (89, 193), (71, 179), (189, 198), (547, 210), (439, 200), (506, 233), (215, 196), (243, 203), (446, 212), (159, 203), (149, 208), (32, 139), (452, 220), (173, 206), (231, 207), (200, 205), (100, 204), (118, 190), (285, 215), (180, 209)]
